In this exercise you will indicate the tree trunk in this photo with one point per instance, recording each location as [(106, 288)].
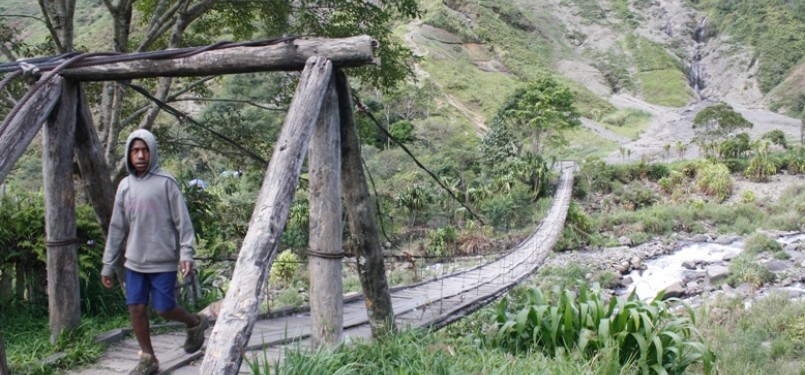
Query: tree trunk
[(361, 215), (233, 328), (25, 120), (6, 281), (64, 303), (19, 284), (290, 55), (326, 245), (37, 283), (59, 21), (3, 363)]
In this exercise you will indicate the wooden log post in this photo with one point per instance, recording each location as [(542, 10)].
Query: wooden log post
[(361, 217), (233, 328), (64, 302), (20, 127), (95, 173), (92, 164), (285, 56), (325, 240)]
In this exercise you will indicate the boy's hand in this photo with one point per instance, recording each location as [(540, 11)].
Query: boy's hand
[(186, 267), (107, 281)]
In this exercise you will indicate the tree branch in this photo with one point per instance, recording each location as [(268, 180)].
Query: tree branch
[(51, 29)]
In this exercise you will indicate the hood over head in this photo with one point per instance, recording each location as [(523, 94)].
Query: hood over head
[(151, 142)]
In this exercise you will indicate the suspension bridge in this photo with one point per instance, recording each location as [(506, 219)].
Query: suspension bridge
[(434, 303)]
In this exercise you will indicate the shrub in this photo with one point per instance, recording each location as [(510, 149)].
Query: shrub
[(671, 181), (776, 136), (744, 269), (760, 168), (284, 267), (578, 229), (635, 196), (736, 165), (795, 161), (748, 197), (607, 279), (760, 242), (656, 221), (657, 171), (442, 241), (289, 297), (715, 180), (474, 243), (646, 334)]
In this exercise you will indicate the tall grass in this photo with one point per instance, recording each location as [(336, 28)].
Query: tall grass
[(26, 334), (628, 123), (766, 338), (451, 351)]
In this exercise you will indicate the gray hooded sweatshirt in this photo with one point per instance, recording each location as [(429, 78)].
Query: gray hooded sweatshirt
[(150, 217)]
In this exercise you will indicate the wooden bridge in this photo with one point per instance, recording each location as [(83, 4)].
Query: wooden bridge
[(433, 303), (319, 124)]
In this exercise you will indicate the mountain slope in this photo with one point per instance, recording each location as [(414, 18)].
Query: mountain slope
[(662, 57)]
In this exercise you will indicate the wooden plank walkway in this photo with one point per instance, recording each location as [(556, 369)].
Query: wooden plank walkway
[(434, 303)]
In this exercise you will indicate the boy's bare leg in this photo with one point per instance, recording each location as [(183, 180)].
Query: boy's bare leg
[(142, 328)]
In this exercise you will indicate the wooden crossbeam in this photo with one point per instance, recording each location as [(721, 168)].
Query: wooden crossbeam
[(286, 56)]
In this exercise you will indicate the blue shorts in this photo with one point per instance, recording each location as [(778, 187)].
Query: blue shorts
[(159, 286)]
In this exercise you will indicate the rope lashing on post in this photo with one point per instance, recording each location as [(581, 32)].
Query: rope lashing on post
[(319, 254), (64, 242)]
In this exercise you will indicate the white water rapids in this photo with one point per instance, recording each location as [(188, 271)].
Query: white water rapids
[(664, 271)]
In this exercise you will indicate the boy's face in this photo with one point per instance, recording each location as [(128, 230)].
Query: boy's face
[(139, 156)]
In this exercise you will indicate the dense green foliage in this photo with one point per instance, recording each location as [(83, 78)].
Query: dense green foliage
[(760, 242), (761, 167), (22, 238), (23, 302), (646, 333), (284, 267), (714, 179), (541, 112), (719, 121)]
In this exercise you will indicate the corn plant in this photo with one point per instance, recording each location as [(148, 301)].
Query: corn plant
[(642, 333)]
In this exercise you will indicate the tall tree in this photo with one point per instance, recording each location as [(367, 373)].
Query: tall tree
[(542, 111), (183, 23), (718, 122)]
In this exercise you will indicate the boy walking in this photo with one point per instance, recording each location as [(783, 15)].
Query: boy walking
[(151, 218)]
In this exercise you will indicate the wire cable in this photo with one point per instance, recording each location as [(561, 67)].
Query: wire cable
[(363, 109)]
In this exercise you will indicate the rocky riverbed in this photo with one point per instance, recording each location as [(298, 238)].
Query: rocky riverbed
[(693, 267)]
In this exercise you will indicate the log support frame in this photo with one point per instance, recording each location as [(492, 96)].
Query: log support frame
[(321, 97), (325, 243), (64, 301)]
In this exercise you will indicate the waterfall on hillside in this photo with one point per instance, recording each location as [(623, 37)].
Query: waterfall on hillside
[(695, 70)]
